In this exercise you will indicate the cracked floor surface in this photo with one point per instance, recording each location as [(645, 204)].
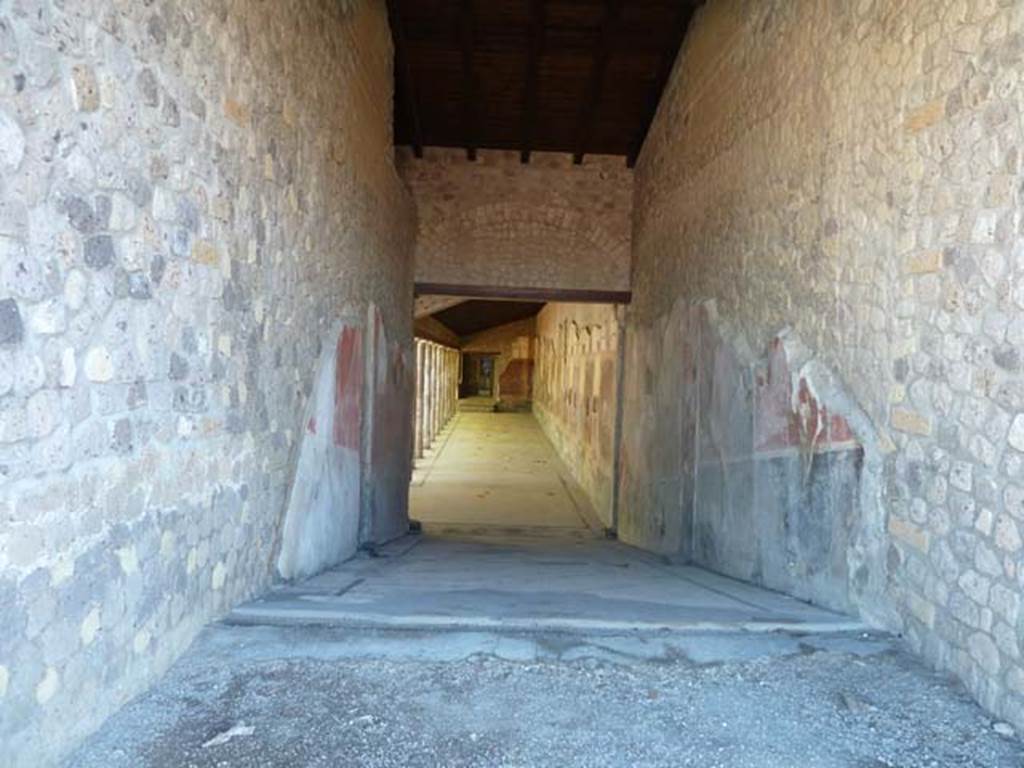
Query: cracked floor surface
[(320, 696)]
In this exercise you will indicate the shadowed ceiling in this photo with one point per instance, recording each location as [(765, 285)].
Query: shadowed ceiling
[(579, 76), (474, 316)]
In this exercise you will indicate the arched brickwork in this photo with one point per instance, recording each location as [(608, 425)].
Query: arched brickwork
[(498, 223)]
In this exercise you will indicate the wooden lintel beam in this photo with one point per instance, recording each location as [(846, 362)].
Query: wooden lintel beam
[(576, 295), (408, 84), (602, 53), (537, 21), (467, 42)]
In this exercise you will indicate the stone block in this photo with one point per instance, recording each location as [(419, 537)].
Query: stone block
[(984, 651), (98, 365), (12, 143), (1016, 435), (236, 111), (205, 252), (924, 263), (910, 421), (909, 533), (85, 88), (12, 329), (99, 252), (925, 116), (1007, 534)]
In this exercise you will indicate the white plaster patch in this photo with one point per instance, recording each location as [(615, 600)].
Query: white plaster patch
[(141, 641), (62, 569), (129, 560), (90, 626), (219, 575), (48, 318), (48, 686), (167, 541)]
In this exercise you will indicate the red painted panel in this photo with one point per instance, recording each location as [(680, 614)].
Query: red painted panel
[(348, 389), (515, 379), (776, 425)]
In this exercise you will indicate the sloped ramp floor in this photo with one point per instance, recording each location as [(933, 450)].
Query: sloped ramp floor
[(509, 542), (524, 579)]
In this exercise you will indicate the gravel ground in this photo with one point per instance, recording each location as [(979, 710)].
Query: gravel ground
[(291, 706)]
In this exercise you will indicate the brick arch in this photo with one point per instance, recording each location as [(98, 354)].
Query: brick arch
[(517, 244)]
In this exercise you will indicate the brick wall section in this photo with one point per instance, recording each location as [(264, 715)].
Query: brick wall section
[(850, 174), (575, 393), (497, 222), (189, 194)]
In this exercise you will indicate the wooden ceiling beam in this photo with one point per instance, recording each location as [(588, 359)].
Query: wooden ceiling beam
[(602, 53), (665, 65), (467, 42), (573, 295), (408, 83), (532, 76)]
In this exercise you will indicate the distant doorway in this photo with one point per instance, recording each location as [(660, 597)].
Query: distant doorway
[(477, 375)]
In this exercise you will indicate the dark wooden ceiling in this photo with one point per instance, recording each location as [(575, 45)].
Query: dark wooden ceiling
[(474, 316), (579, 76)]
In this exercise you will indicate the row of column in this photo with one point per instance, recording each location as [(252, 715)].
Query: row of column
[(437, 390)]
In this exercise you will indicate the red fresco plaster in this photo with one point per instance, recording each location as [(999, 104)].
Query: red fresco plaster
[(778, 426), (348, 389)]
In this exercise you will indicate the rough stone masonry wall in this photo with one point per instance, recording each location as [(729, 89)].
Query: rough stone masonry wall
[(498, 222), (192, 194), (575, 393), (833, 191)]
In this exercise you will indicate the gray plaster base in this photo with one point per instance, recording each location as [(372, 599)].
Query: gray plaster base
[(317, 696)]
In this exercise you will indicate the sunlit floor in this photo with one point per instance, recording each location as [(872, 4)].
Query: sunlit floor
[(496, 469)]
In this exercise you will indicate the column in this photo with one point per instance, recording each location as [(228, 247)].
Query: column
[(448, 385), (428, 396), (439, 365), (418, 411), (455, 382)]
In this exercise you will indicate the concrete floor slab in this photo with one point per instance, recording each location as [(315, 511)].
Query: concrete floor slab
[(531, 579)]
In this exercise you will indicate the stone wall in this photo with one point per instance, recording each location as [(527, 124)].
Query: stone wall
[(833, 191), (513, 347), (193, 196), (497, 222), (575, 393)]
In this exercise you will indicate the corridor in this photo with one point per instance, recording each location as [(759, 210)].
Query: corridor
[(511, 383)]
